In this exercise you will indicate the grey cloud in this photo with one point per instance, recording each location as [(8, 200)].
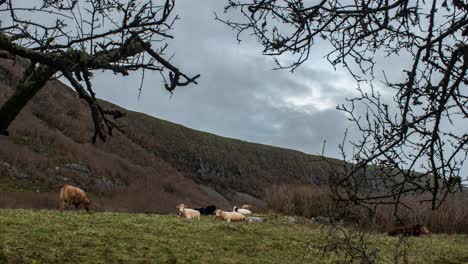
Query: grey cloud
[(239, 95)]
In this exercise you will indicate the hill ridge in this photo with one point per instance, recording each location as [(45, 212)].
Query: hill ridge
[(153, 159)]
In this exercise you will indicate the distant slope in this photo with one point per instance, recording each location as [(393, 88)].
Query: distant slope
[(150, 167), (221, 162)]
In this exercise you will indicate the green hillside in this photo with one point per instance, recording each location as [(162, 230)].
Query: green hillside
[(70, 237), (225, 163)]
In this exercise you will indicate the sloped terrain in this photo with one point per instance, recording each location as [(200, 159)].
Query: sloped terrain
[(151, 167), (46, 236)]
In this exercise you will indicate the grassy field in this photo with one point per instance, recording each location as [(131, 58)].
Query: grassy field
[(52, 237)]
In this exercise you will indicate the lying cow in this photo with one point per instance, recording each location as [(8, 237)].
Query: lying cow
[(209, 210), (73, 195), (415, 230), (242, 211), (230, 216), (247, 206), (187, 212)]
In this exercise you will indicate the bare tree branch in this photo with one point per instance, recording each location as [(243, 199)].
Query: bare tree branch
[(75, 38), (414, 145)]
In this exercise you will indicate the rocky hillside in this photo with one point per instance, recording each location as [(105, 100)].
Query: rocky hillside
[(151, 167)]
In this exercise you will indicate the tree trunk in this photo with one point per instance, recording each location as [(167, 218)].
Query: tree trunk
[(29, 85)]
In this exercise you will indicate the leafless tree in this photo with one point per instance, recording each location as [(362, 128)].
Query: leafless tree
[(72, 39), (343, 245), (418, 143)]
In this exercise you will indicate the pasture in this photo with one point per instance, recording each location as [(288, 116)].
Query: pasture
[(47, 236)]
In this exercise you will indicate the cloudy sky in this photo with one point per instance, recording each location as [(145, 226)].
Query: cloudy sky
[(239, 95)]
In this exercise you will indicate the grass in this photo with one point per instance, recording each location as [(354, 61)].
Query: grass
[(28, 236)]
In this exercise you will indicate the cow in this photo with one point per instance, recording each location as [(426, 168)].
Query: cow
[(247, 206), (73, 195), (187, 212), (415, 230), (242, 211), (209, 210), (229, 216)]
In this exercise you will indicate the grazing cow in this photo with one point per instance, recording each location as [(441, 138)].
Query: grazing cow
[(415, 230), (230, 216), (73, 195), (241, 211), (209, 210), (188, 213)]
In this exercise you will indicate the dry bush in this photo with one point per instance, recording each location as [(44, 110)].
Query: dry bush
[(312, 201), (451, 217), (303, 200)]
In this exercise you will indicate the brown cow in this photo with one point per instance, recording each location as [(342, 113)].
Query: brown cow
[(415, 230), (73, 195)]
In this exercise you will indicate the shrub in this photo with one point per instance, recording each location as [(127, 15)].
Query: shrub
[(303, 200), (312, 201)]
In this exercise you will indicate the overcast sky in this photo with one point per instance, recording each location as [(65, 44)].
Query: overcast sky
[(239, 95)]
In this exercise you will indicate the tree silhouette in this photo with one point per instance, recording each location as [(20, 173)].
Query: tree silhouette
[(72, 39), (424, 132)]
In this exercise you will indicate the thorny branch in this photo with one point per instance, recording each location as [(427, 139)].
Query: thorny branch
[(77, 38), (418, 143)]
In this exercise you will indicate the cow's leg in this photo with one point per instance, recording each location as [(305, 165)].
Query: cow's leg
[(229, 220), (77, 206), (62, 204)]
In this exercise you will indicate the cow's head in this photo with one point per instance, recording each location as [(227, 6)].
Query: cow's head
[(181, 208), (424, 231), (86, 204), (218, 213)]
